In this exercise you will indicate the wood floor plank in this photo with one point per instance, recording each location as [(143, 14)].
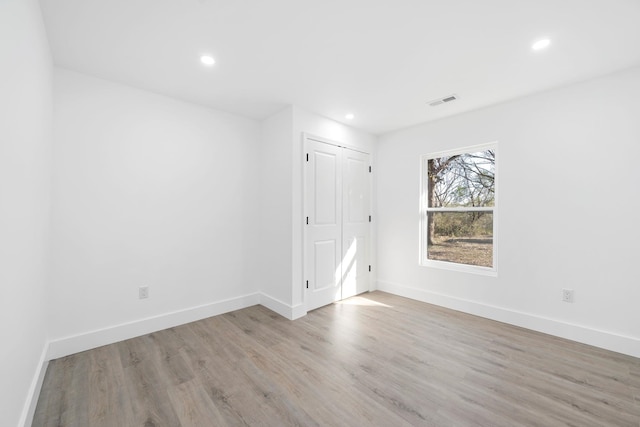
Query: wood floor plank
[(309, 382), (220, 379), (135, 350), (194, 407), (108, 405), (52, 404), (373, 360), (66, 385), (151, 406)]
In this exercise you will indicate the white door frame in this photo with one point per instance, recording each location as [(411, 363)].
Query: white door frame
[(305, 137)]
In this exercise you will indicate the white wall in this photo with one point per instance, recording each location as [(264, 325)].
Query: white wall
[(274, 213), (568, 208), (25, 158), (151, 191)]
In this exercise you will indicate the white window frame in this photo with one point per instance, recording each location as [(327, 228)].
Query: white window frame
[(424, 208)]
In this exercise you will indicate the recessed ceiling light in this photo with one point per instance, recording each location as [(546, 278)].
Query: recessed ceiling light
[(541, 44), (349, 116), (207, 60)]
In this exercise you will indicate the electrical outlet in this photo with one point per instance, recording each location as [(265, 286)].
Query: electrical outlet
[(567, 295), (143, 292)]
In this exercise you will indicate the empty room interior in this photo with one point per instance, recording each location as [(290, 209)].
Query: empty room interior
[(319, 213)]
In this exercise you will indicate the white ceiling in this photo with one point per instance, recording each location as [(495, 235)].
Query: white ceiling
[(380, 59)]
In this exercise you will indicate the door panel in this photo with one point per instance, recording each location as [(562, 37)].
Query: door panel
[(323, 245), (356, 178), (325, 175), (350, 267), (337, 202), (324, 259), (355, 224)]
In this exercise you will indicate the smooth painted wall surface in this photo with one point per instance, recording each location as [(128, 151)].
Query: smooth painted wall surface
[(568, 208), (149, 191), (274, 233), (25, 167)]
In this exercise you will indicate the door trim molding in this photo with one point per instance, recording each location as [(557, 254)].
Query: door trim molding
[(303, 159)]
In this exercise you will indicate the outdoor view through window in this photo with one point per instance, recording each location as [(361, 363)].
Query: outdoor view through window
[(460, 203)]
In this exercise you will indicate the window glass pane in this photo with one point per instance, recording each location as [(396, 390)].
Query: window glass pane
[(461, 237), (462, 180)]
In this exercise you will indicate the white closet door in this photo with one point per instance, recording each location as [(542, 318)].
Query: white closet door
[(355, 223), (337, 233), (323, 248)]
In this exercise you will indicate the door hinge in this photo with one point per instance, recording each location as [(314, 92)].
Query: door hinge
[(307, 157), (369, 169), (369, 218), (307, 220), (307, 284), (369, 268)]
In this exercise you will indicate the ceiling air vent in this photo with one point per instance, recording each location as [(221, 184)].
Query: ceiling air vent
[(444, 100)]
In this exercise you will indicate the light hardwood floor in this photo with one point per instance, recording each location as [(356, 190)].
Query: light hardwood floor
[(377, 359)]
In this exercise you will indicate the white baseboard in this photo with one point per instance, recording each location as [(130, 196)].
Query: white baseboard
[(29, 408), (603, 339), (86, 341), (298, 311), (283, 309), (76, 343)]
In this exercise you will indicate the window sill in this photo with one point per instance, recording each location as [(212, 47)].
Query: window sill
[(463, 268)]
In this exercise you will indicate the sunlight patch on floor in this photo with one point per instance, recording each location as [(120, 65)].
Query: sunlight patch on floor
[(363, 302)]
